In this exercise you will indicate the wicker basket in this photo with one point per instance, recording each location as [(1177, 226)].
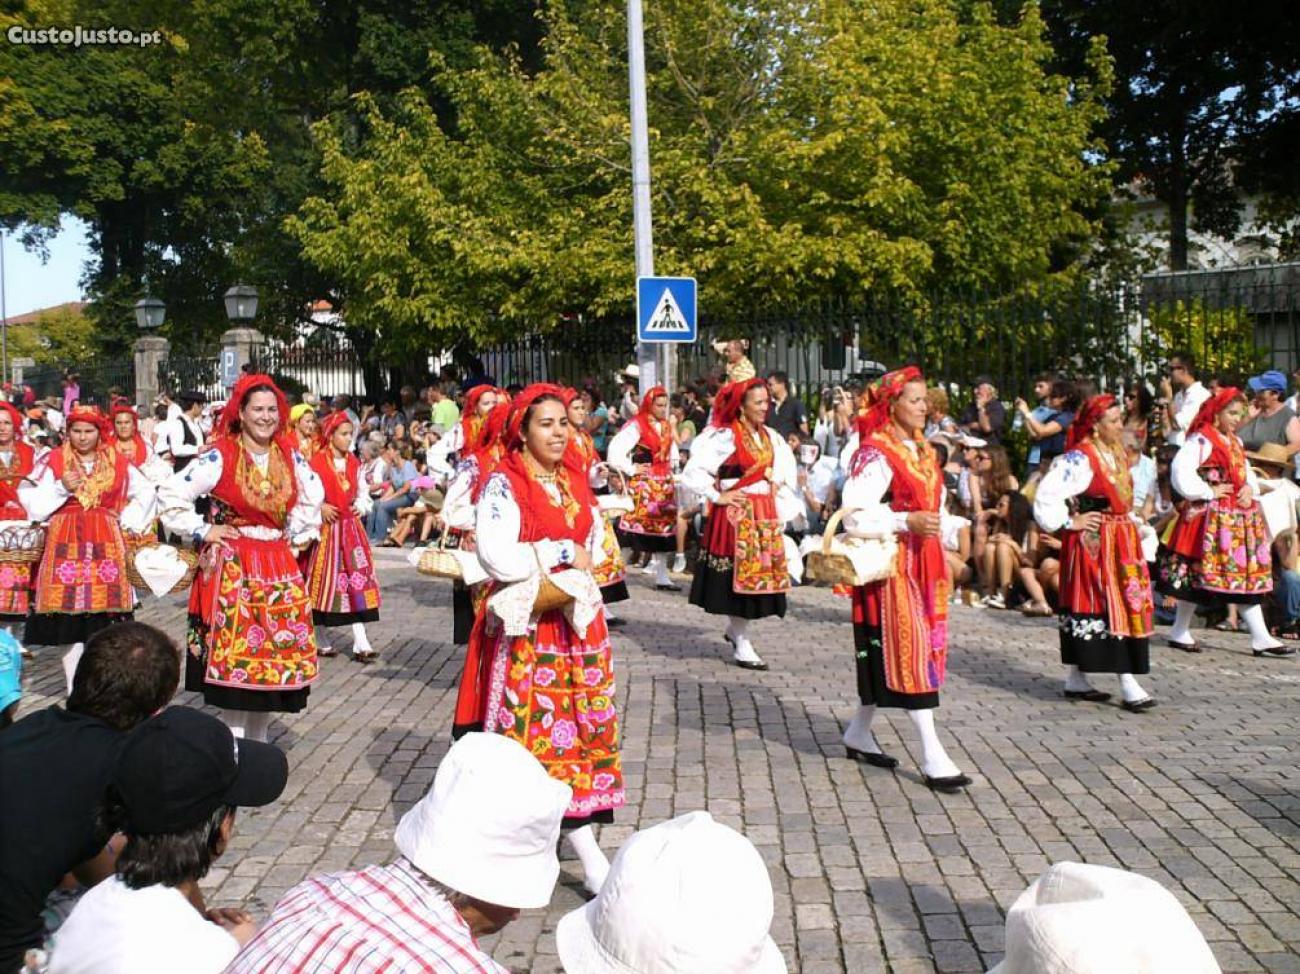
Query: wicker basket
[(22, 546), (549, 595), (438, 561), (832, 567), (190, 558)]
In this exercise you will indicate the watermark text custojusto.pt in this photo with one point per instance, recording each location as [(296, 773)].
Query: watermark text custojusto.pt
[(79, 36)]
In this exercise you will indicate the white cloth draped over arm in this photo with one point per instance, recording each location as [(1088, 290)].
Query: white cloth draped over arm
[(708, 452), (864, 494), (304, 520), (177, 494), (1185, 471), (621, 447), (42, 493), (438, 456), (785, 478), (1069, 477), (458, 505), (496, 528), (141, 503)]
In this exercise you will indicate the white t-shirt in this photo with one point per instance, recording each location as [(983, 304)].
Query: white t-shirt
[(1144, 480), (118, 930)]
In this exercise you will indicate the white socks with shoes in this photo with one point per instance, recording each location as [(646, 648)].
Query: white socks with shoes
[(360, 641), (661, 569), (745, 651), (1075, 681), (70, 660), (1130, 688), (1260, 637), (248, 724), (858, 734), (1182, 628), (935, 762), (595, 864)]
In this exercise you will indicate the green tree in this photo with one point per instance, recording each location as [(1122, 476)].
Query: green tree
[(60, 336), (799, 150)]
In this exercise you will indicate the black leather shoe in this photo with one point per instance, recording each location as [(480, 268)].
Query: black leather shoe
[(1185, 647), (670, 587), (1137, 706), (1276, 651), (746, 664), (951, 785), (1092, 696), (618, 622), (873, 758)]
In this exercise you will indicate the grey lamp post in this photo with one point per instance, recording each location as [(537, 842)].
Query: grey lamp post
[(150, 349), (239, 344)]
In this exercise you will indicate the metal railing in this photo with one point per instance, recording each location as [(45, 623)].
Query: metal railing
[(99, 379)]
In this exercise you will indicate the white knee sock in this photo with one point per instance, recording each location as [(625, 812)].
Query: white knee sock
[(1130, 688), (858, 734), (70, 660), (360, 641), (609, 615), (661, 569), (1182, 630), (737, 629), (1075, 680), (934, 759), (248, 724), (1260, 638), (595, 865)]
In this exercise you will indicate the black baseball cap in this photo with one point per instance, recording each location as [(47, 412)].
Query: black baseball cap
[(177, 768)]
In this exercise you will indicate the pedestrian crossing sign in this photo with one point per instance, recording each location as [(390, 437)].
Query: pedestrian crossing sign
[(665, 309)]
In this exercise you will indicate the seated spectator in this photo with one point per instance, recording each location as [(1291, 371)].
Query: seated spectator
[(683, 897), (937, 419), (985, 417), (174, 794), (1084, 919), (64, 759), (402, 472), (478, 848), (1040, 573), (1007, 549)]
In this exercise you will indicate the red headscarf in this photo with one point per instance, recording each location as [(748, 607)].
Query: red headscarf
[(535, 504), (122, 407), (17, 417), (91, 415), (519, 407), (881, 395), (1210, 409), (332, 422), (659, 444), (469, 418), (1086, 420), (489, 446), (727, 403), (228, 422)]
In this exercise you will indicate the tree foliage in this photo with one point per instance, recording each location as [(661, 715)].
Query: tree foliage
[(799, 149), (60, 336)]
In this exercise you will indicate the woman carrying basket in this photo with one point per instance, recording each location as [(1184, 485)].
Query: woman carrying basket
[(251, 643), (90, 495), (746, 470), (339, 569), (900, 624), (1106, 607), (551, 684), (17, 461), (1216, 551)]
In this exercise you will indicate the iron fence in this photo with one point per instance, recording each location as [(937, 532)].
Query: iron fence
[(99, 379), (324, 363)]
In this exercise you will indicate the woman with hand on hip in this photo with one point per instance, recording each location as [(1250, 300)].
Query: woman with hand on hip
[(251, 645), (746, 470), (551, 683), (1106, 606), (339, 570), (1217, 550), (900, 624)]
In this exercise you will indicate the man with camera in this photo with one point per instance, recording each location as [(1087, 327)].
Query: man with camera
[(1181, 396)]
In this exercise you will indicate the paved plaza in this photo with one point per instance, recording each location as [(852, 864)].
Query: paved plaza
[(872, 871)]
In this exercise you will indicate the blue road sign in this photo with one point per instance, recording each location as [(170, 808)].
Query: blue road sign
[(665, 309)]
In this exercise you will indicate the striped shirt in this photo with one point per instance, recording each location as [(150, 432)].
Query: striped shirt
[(381, 918)]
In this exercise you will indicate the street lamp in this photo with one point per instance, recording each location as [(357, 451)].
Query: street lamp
[(241, 303), (149, 313)]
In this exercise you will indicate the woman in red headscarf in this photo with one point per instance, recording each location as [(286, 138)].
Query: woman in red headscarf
[(645, 452), (1216, 551), (251, 643), (551, 676), (17, 460), (1106, 607), (477, 461), (900, 624), (746, 470), (461, 437), (338, 569), (89, 494), (126, 439), (581, 456)]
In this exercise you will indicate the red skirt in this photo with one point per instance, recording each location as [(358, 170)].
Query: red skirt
[(340, 574), (83, 569), (714, 588)]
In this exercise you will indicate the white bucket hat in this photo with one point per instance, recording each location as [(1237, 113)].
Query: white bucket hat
[(490, 824), (1080, 919), (688, 896)]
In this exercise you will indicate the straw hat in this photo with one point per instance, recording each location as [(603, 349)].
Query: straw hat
[(1081, 919), (1272, 455), (489, 826), (688, 896)]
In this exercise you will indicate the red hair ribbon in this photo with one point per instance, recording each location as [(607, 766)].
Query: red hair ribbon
[(1211, 408), (727, 403), (881, 395), (519, 408), (1087, 419)]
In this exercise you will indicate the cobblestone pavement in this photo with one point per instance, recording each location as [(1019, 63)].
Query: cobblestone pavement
[(872, 872)]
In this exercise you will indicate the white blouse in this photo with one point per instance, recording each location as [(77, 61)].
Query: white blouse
[(1068, 477), (712, 448), (458, 504), (1185, 471), (439, 455), (864, 498), (626, 440), (176, 497), (42, 494), (496, 529)]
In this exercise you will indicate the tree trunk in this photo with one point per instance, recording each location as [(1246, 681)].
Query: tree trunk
[(1176, 197)]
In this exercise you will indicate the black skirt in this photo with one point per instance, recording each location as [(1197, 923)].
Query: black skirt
[(338, 619), (1085, 643), (234, 698), (62, 629), (462, 613), (868, 646), (712, 591), (654, 543)]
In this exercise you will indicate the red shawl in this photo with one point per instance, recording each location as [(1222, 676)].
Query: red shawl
[(753, 455), (659, 446), (490, 446), (541, 518), (11, 508), (112, 495), (340, 486), (1116, 488)]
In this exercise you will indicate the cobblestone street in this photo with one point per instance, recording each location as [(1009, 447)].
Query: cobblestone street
[(872, 871)]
